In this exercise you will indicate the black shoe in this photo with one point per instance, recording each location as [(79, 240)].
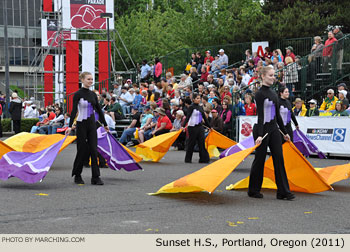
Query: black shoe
[(188, 162), (78, 180), (288, 196), (256, 195), (96, 181)]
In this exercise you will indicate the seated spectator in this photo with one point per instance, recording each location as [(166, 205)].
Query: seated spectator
[(44, 125), (106, 103), (245, 77), (340, 109), (299, 108), (217, 105), (211, 97), (56, 123), (223, 59), (312, 110), (125, 100), (184, 81), (204, 76), (148, 129), (342, 86), (329, 103), (31, 111), (146, 121), (256, 58), (42, 117), (167, 109), (342, 97), (250, 108), (215, 66), (130, 130), (115, 110), (164, 124), (226, 91), (216, 121), (228, 101), (65, 125), (137, 100), (238, 107), (110, 123), (226, 116), (177, 124), (170, 92), (208, 57)]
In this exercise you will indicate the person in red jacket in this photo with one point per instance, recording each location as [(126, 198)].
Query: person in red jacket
[(250, 108), (157, 70), (328, 51), (289, 53), (208, 57)]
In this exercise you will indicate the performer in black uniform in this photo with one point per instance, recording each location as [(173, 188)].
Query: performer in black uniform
[(86, 104), (194, 118), (286, 111), (268, 118)]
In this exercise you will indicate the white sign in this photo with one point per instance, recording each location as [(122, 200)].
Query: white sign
[(259, 47), (329, 134)]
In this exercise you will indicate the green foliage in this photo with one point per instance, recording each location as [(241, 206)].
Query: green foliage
[(26, 124), (19, 90)]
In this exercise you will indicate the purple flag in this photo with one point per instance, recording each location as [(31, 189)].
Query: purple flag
[(304, 145), (245, 144), (27, 166), (114, 153)]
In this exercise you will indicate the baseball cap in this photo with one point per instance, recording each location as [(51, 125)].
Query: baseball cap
[(313, 101), (221, 50), (214, 111)]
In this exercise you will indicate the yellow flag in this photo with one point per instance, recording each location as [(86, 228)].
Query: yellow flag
[(30, 142), (155, 148), (4, 148), (136, 157), (216, 140), (335, 173), (209, 177)]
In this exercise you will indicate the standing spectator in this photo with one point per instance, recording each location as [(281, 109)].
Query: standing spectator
[(342, 97), (299, 108), (316, 57), (289, 53), (238, 108), (290, 75), (329, 103), (16, 111), (328, 51), (338, 34), (250, 108), (226, 115), (312, 110), (145, 71), (158, 69), (194, 118)]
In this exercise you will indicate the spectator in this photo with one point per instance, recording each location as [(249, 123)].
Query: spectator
[(146, 121), (158, 69), (56, 123), (115, 110), (289, 53), (338, 34), (329, 103), (256, 58), (276, 55), (215, 65), (204, 76), (164, 124), (299, 108), (226, 91), (216, 121), (312, 110), (238, 107), (208, 57), (16, 112), (226, 116), (316, 56), (137, 100), (145, 71), (184, 81), (194, 77), (169, 78), (167, 109), (44, 125), (280, 54), (342, 97), (177, 124), (249, 106), (268, 53), (31, 111), (342, 86), (212, 81), (105, 92), (339, 110), (223, 59), (211, 96), (125, 100), (248, 57), (290, 75), (199, 61), (245, 77), (130, 130), (328, 51)]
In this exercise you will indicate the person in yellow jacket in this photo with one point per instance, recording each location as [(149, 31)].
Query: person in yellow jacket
[(299, 108), (329, 103)]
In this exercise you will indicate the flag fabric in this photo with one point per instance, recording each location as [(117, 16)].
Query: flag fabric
[(302, 176), (114, 153), (305, 145), (216, 140), (31, 142), (135, 156), (155, 148), (27, 166), (209, 177), (4, 148), (245, 144), (333, 174)]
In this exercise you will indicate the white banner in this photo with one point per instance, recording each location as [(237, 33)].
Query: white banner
[(88, 58), (44, 33), (59, 69), (329, 134), (259, 47)]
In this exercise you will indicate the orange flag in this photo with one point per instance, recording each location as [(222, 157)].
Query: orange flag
[(30, 142), (155, 148), (209, 177), (4, 148), (216, 140), (335, 173), (302, 176), (136, 157)]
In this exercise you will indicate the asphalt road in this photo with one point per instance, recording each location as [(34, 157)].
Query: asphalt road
[(123, 206)]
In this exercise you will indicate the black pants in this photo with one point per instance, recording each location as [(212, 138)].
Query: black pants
[(16, 126), (196, 135), (86, 145), (162, 131), (101, 161), (289, 132), (274, 141)]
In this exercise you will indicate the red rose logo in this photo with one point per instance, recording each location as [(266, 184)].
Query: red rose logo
[(246, 129), (88, 17)]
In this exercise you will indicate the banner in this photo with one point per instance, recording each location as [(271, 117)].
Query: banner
[(72, 71), (103, 62), (88, 58), (48, 80), (59, 78), (85, 14), (329, 134), (259, 47), (52, 36)]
